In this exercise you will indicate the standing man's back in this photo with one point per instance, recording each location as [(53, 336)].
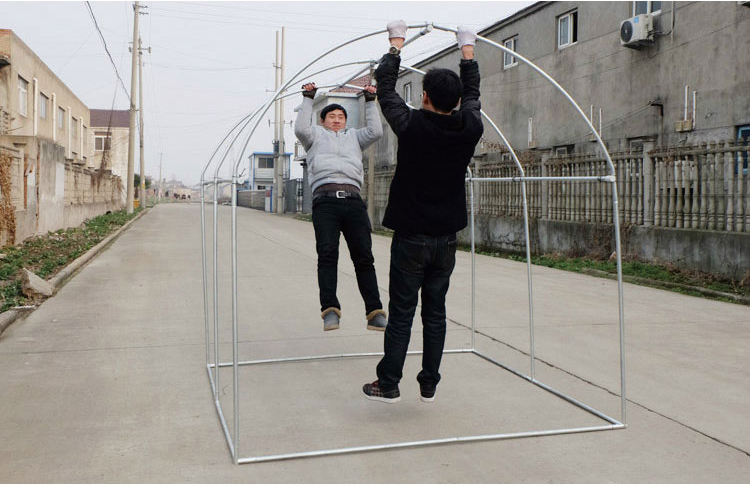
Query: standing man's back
[(426, 205)]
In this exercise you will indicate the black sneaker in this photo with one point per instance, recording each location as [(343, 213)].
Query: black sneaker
[(374, 392), (427, 392)]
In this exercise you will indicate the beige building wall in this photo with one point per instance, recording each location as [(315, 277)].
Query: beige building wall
[(35, 102), (116, 159)]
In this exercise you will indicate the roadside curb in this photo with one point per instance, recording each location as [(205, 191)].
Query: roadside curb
[(58, 281), (668, 285)]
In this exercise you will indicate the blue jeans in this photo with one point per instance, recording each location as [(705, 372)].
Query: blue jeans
[(332, 217), (417, 262)]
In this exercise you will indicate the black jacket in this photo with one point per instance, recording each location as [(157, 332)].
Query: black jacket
[(428, 194)]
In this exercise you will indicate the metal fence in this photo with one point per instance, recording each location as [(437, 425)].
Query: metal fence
[(702, 187), (293, 194)]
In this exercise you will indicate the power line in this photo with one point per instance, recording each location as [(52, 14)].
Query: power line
[(188, 68), (101, 36)]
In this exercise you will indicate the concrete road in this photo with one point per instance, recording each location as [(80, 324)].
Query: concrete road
[(106, 382)]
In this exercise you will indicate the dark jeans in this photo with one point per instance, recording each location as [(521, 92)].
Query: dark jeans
[(331, 218), (417, 261)]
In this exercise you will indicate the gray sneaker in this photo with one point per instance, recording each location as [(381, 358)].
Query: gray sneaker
[(331, 319), (376, 320)]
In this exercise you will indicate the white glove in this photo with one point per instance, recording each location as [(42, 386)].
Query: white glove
[(465, 36), (396, 28)]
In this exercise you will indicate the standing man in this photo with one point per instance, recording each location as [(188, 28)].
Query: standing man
[(426, 205), (334, 158)]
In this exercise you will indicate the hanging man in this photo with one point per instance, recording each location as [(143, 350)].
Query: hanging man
[(334, 158), (426, 205)]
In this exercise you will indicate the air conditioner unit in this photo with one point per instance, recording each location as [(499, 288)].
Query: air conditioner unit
[(746, 3), (637, 31)]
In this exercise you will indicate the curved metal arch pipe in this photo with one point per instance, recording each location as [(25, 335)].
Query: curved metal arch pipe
[(615, 204)]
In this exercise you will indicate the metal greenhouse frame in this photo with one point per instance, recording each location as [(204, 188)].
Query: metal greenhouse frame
[(213, 364)]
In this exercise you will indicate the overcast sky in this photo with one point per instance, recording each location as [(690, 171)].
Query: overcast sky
[(212, 62)]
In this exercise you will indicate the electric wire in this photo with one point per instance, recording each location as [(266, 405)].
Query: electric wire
[(104, 41)]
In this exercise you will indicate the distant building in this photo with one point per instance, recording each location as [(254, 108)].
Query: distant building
[(262, 169), (110, 130)]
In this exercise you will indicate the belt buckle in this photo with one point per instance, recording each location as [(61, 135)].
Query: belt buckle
[(340, 194)]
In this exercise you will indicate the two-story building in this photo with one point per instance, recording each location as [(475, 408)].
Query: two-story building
[(673, 73), (34, 102), (262, 169), (47, 174)]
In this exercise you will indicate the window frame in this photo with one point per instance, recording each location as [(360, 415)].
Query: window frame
[(60, 118), (23, 96), (408, 93), (261, 159), (572, 17), (105, 139), (513, 59), (43, 104), (649, 7)]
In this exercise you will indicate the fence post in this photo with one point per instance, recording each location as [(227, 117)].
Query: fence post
[(545, 198)]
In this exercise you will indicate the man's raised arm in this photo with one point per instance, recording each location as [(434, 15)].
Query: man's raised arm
[(373, 130), (469, 68), (303, 125), (394, 109)]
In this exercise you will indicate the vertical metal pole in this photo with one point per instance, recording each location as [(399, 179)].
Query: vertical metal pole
[(616, 220), (235, 355), (473, 263), (205, 276), (528, 270), (216, 289)]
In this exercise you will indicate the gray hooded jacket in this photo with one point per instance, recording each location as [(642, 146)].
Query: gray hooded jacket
[(336, 157)]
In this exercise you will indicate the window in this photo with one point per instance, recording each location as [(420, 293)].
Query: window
[(564, 150), (407, 93), (261, 186), (508, 59), (265, 162), (636, 145), (646, 8), (743, 138), (23, 96), (567, 29), (43, 102), (74, 127), (102, 141), (60, 118)]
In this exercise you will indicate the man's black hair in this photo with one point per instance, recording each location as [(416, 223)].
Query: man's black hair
[(330, 108), (444, 88)]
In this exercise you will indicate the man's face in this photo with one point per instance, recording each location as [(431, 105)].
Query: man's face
[(335, 120)]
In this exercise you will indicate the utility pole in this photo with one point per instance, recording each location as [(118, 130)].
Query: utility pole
[(161, 156), (282, 150), (142, 191), (131, 137), (276, 119)]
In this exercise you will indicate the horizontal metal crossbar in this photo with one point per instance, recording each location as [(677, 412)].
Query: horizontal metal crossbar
[(605, 179), (324, 357), (613, 423)]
